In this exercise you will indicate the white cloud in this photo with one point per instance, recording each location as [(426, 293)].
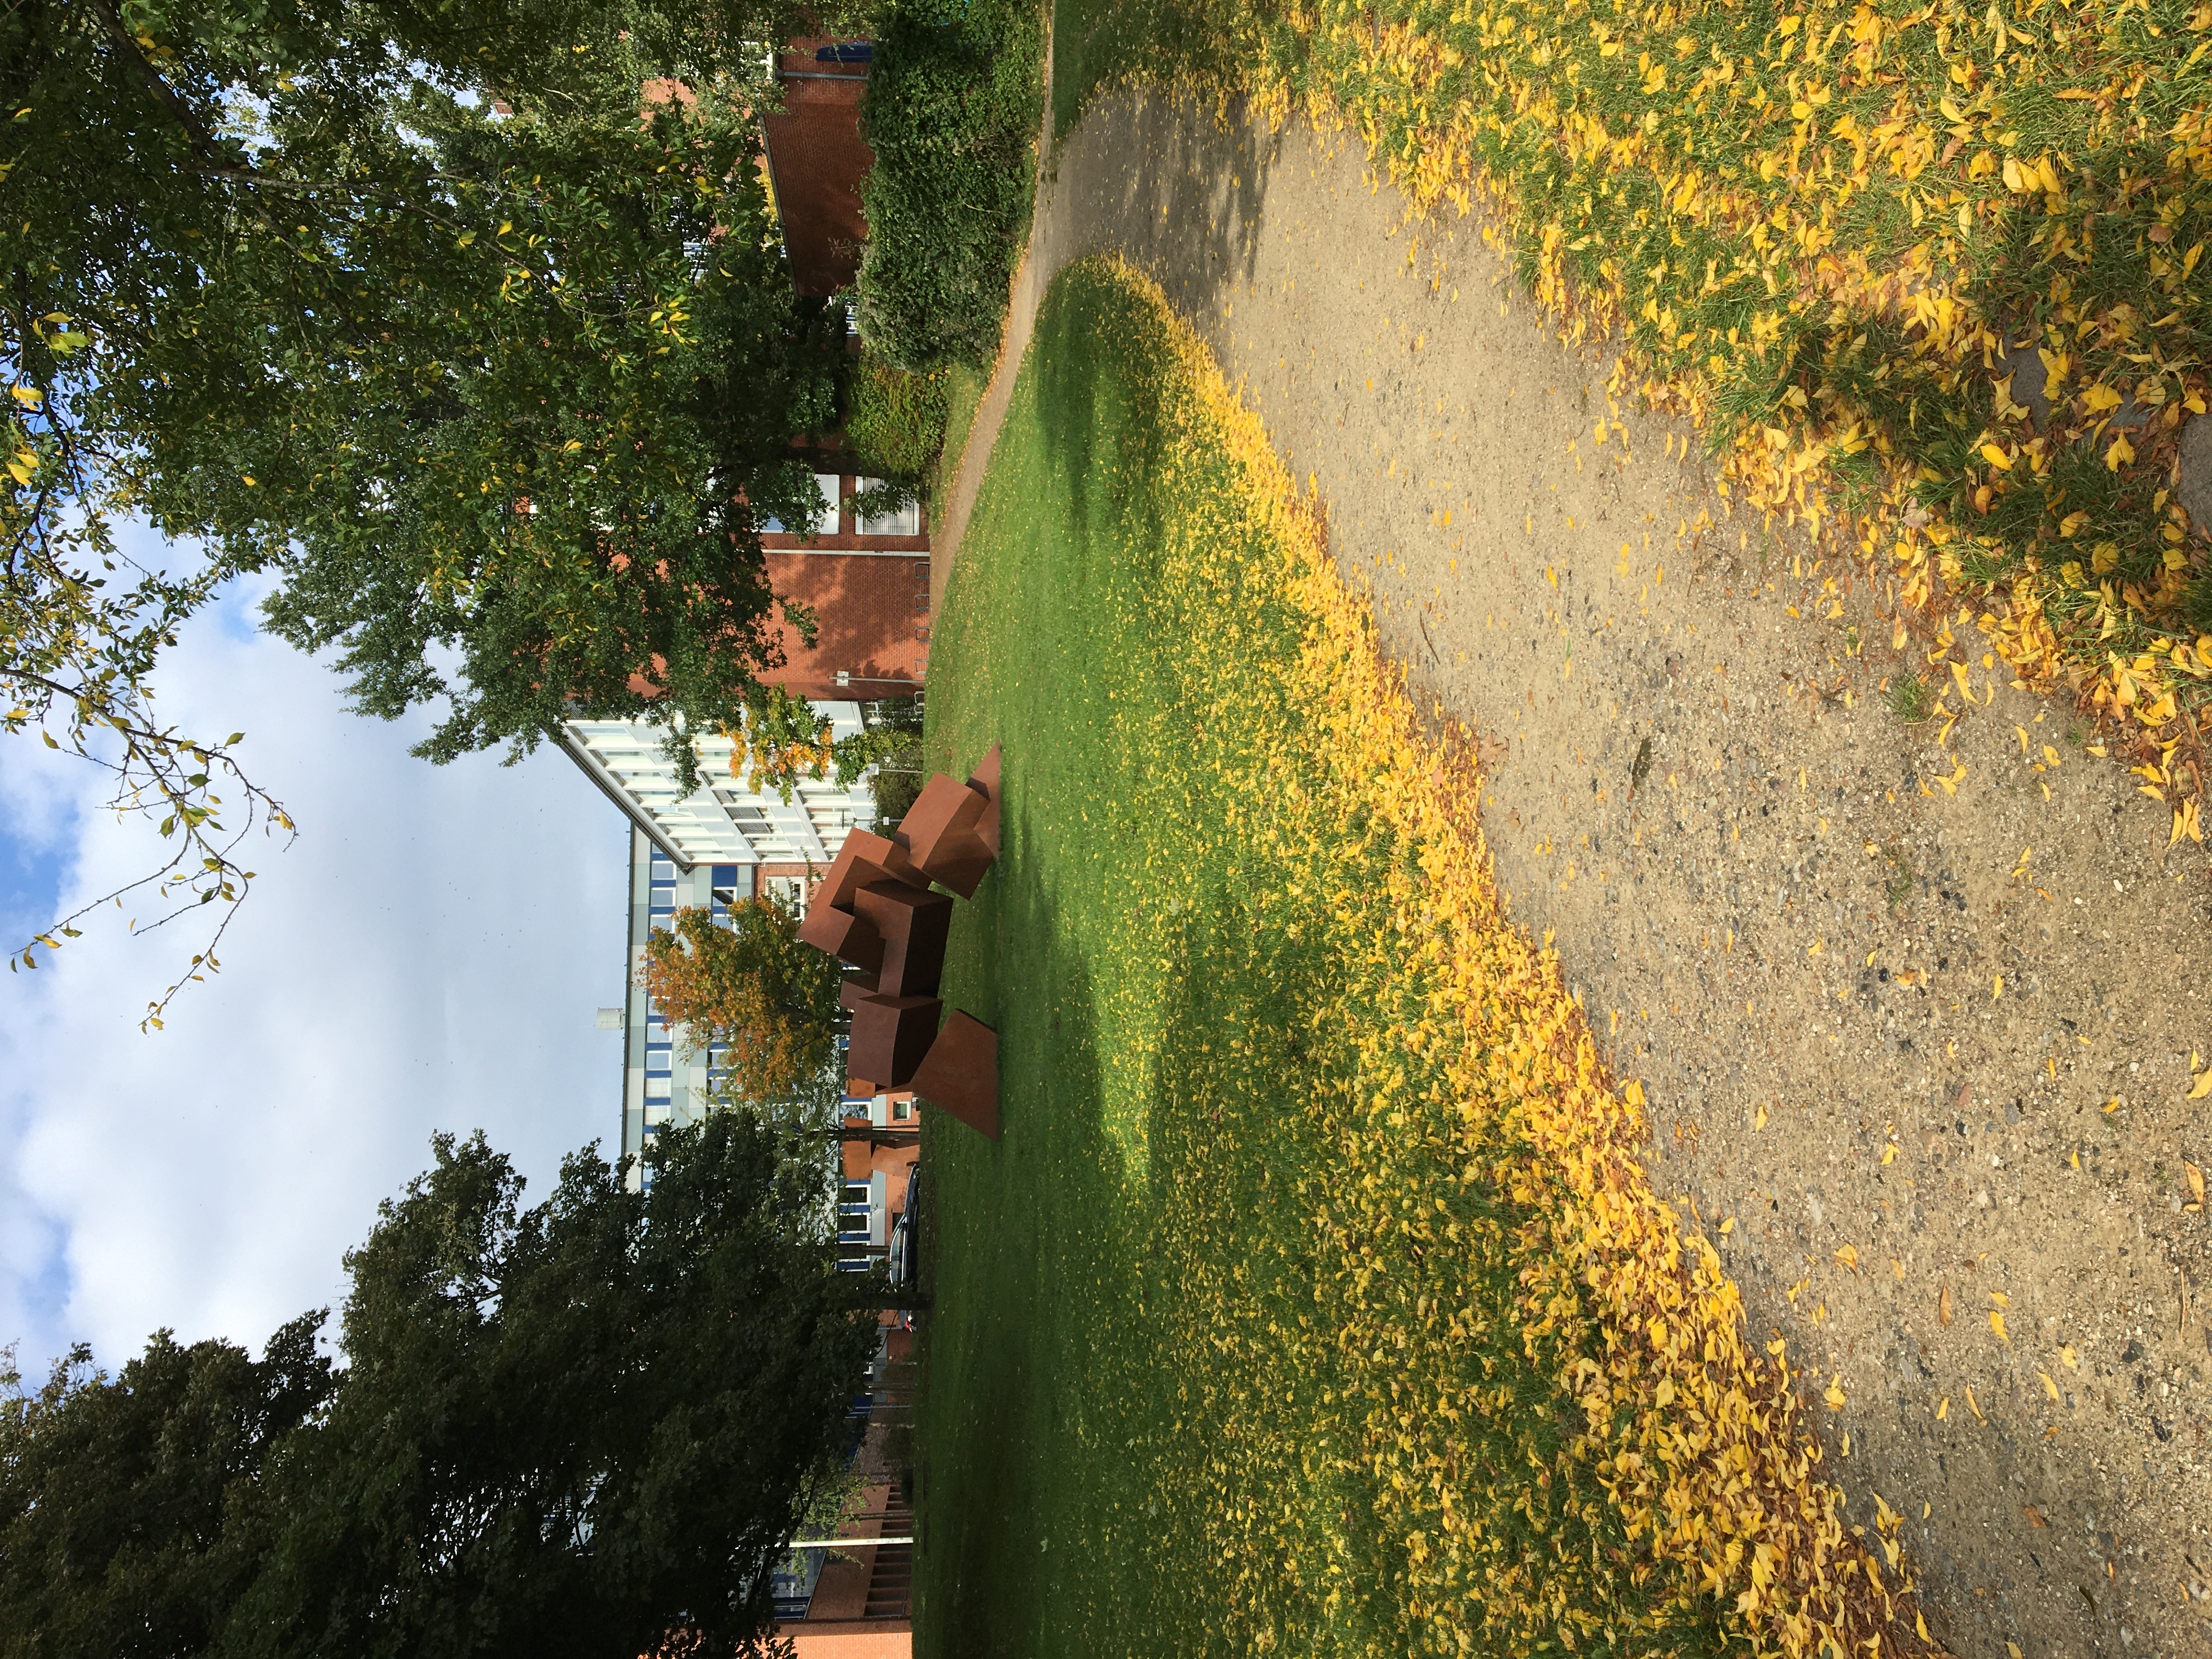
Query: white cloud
[(426, 955)]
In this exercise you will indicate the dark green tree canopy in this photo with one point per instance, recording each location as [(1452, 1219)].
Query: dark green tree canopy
[(471, 323), (588, 1427), (118, 1535)]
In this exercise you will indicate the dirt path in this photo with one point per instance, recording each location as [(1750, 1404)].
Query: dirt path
[(1931, 1082)]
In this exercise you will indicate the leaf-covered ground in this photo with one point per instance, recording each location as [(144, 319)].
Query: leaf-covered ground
[(1923, 274), (1311, 1301)]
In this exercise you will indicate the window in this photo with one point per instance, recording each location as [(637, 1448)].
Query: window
[(901, 1110), (660, 1088), (824, 522), (659, 1058), (899, 521), (789, 891)]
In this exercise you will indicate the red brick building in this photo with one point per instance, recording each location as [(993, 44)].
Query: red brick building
[(817, 160), (866, 579), (858, 1605), (866, 582)]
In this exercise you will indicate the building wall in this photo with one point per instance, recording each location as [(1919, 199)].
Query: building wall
[(816, 160), (866, 582), (859, 1639), (662, 1084), (722, 822), (872, 614)]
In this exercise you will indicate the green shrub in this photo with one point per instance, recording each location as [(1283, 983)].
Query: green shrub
[(952, 111), (895, 784), (895, 420)]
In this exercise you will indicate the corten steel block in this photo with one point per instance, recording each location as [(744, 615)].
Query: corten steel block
[(842, 934), (913, 924), (891, 1034), (984, 780), (961, 1073), (865, 858), (939, 833)]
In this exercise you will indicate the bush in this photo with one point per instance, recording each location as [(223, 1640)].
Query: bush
[(952, 111), (896, 783), (896, 420)]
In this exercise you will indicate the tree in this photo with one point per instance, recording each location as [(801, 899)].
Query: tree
[(758, 989), (785, 739), (573, 1430), (586, 1428), (488, 355), (118, 1538)]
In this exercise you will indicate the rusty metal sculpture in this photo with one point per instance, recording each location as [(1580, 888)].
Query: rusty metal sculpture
[(876, 911)]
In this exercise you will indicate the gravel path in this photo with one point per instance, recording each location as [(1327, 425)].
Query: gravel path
[(1881, 1038)]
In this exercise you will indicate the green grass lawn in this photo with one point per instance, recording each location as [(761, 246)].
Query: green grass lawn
[(1049, 1417), (963, 391), (1096, 43), (1259, 1329)]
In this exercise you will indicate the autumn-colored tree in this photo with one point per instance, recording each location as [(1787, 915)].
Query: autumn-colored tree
[(754, 987)]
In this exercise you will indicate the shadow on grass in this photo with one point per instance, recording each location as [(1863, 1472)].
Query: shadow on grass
[(1158, 1380)]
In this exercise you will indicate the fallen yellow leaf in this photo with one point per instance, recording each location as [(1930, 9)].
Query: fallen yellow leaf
[(2049, 1387), (1975, 1409), (1942, 1408), (1943, 1307), (1997, 1324), (1849, 1256), (1834, 1396), (2068, 1357)]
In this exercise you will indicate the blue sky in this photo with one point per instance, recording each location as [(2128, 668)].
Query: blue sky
[(428, 954)]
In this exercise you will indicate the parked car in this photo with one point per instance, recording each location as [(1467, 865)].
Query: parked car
[(905, 1262)]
